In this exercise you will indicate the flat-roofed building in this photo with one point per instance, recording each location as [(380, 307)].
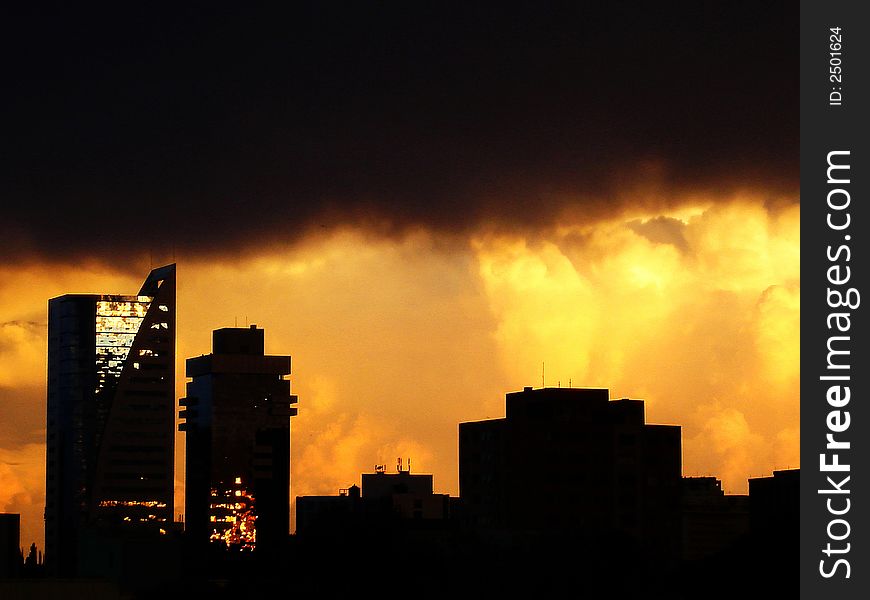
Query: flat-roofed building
[(573, 461), (237, 436)]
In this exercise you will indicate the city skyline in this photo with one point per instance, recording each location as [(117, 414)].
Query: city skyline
[(336, 474), (421, 206)]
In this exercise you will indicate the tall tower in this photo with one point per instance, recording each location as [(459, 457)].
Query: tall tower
[(111, 415), (237, 423)]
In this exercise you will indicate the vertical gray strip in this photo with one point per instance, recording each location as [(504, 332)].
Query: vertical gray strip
[(834, 225)]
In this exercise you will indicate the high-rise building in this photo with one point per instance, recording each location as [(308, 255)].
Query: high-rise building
[(237, 425), (572, 461), (111, 415)]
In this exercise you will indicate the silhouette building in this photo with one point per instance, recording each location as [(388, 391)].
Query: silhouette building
[(383, 500), (774, 504), (10, 552), (237, 425), (571, 461), (111, 415), (712, 522), (408, 496)]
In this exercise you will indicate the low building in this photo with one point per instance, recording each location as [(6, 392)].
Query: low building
[(384, 500), (774, 503), (712, 522)]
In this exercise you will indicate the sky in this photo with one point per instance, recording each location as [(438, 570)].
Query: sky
[(421, 203)]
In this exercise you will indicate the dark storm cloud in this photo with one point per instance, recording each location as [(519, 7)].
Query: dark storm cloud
[(214, 129)]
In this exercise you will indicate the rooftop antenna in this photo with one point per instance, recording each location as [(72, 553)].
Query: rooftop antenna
[(409, 464), (235, 321), (542, 375), (569, 382)]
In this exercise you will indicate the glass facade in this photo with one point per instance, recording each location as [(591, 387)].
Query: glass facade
[(110, 417), (117, 323)]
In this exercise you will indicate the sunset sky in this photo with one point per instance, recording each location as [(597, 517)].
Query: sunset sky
[(420, 204)]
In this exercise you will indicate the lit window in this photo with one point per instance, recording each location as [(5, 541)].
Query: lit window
[(234, 522)]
